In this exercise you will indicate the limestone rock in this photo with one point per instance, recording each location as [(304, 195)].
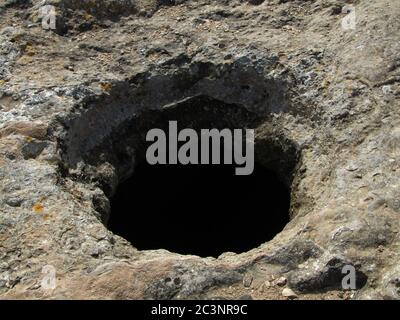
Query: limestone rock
[(326, 99)]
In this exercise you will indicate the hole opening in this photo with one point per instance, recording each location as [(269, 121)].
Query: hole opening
[(203, 210)]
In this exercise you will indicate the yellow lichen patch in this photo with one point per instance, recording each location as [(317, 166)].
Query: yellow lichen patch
[(87, 16), (30, 50), (37, 208), (29, 139), (106, 86), (2, 82)]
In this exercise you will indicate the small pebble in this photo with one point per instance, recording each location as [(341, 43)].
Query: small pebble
[(281, 281), (288, 293), (247, 281)]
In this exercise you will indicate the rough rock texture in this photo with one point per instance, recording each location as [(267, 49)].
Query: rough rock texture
[(329, 103)]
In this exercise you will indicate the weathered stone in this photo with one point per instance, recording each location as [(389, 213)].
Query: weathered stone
[(280, 282), (326, 102), (288, 293)]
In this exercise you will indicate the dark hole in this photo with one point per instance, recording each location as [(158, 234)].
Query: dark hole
[(199, 209)]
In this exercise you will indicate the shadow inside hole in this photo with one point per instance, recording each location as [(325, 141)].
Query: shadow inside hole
[(203, 210)]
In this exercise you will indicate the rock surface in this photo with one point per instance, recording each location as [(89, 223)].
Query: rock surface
[(328, 95)]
